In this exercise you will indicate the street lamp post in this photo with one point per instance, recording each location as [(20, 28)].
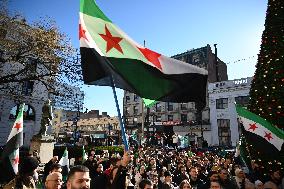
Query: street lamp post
[(199, 108)]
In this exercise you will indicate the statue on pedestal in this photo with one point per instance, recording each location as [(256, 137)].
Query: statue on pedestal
[(46, 118)]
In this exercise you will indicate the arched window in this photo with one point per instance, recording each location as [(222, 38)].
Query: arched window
[(29, 113)]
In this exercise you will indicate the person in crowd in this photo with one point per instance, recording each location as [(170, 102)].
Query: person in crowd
[(215, 185), (91, 163), (155, 180), (258, 184), (54, 181), (100, 178), (212, 176), (56, 167), (195, 182), (113, 162), (274, 179), (241, 181), (47, 166), (151, 164), (143, 172), (145, 184), (180, 175), (185, 185), (78, 178), (25, 178), (225, 181), (118, 174), (167, 184)]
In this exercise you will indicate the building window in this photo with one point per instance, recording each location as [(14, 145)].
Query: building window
[(183, 106), (135, 120), (136, 98), (126, 120), (126, 111), (158, 118), (242, 100), (135, 110), (224, 132), (183, 117), (27, 88), (127, 99), (222, 103), (170, 117), (29, 113), (158, 107), (170, 106)]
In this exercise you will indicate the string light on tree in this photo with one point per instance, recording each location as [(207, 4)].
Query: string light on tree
[(270, 57)]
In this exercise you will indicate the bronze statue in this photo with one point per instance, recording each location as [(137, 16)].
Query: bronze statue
[(46, 117)]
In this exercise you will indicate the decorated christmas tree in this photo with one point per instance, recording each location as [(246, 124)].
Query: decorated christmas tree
[(267, 89)]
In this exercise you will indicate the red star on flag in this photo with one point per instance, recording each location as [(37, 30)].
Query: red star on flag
[(16, 160), (152, 56), (268, 136), (18, 126), (253, 126), (82, 32), (112, 42)]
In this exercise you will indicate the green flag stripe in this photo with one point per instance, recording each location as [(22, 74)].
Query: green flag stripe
[(148, 102), (20, 114), (89, 7), (251, 116)]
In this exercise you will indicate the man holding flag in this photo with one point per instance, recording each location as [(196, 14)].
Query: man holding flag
[(23, 177), (10, 155)]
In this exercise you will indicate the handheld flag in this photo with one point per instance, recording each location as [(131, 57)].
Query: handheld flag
[(265, 140), (84, 155), (10, 155), (64, 162), (107, 52)]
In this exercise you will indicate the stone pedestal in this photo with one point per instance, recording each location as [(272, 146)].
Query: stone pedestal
[(44, 145)]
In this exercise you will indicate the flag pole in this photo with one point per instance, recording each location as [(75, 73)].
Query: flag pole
[(142, 115), (123, 134), (245, 144)]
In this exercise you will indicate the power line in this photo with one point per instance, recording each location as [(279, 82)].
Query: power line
[(240, 60)]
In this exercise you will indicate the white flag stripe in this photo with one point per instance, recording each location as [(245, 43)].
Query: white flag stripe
[(19, 120), (14, 160), (64, 161), (262, 131)]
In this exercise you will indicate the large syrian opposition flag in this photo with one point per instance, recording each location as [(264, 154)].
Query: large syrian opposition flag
[(262, 137), (10, 154), (106, 51)]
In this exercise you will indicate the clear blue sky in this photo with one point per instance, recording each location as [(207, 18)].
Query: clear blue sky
[(169, 27)]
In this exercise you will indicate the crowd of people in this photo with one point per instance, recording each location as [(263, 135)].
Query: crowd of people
[(151, 168)]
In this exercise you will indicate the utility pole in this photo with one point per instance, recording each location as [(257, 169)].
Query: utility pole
[(76, 120)]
